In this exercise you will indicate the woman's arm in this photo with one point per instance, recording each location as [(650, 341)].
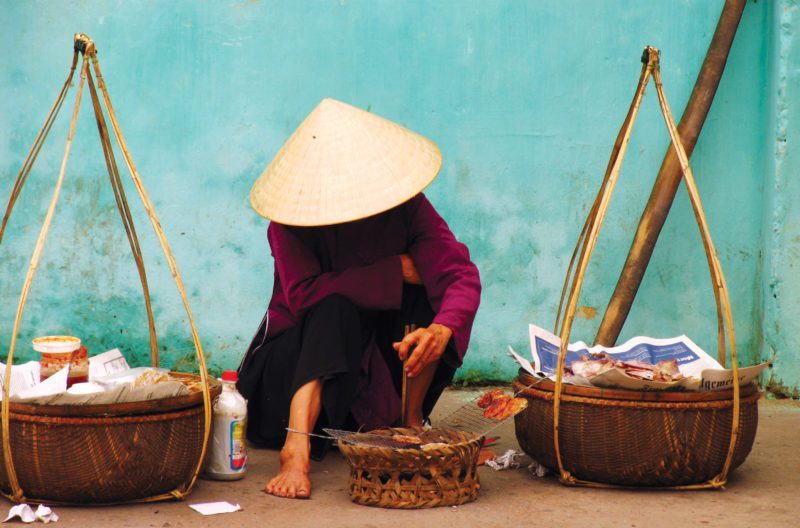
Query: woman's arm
[(452, 284), (376, 286)]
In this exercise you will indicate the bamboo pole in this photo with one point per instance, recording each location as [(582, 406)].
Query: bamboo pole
[(669, 176)]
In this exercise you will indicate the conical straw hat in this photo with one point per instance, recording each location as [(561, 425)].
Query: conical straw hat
[(342, 164)]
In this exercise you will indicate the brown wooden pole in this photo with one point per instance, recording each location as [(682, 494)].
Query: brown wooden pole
[(669, 176)]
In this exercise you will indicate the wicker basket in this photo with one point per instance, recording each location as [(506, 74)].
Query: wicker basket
[(446, 475), (633, 438), (101, 454)]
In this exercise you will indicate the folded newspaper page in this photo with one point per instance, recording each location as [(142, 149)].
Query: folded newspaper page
[(111, 381), (23, 377), (700, 372)]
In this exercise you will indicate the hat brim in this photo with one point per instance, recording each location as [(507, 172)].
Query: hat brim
[(342, 164)]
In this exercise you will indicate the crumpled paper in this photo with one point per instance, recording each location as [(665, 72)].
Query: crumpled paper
[(509, 459), (537, 469), (27, 515)]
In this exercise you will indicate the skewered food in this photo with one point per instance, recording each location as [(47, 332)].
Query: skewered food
[(499, 405), (406, 439), (489, 397)]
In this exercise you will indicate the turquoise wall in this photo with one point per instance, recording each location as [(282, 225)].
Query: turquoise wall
[(524, 99), (780, 286)]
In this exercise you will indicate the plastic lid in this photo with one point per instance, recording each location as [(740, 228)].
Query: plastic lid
[(230, 375), (56, 343)]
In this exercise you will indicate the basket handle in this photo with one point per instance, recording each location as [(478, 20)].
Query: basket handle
[(588, 238), (84, 45)]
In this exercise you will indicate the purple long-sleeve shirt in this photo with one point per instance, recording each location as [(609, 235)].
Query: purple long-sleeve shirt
[(360, 260)]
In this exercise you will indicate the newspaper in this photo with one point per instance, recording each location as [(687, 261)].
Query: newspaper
[(107, 363), (26, 381), (23, 377), (700, 371), (125, 392), (111, 381)]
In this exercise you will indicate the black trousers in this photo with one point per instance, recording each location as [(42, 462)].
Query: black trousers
[(328, 344)]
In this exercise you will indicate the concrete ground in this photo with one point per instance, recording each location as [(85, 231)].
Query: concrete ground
[(764, 492)]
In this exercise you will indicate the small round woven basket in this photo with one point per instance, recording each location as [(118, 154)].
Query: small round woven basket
[(445, 474), (634, 438)]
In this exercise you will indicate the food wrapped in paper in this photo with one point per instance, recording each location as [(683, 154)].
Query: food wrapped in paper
[(130, 385), (641, 363)]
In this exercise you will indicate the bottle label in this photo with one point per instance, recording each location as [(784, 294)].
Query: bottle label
[(238, 448)]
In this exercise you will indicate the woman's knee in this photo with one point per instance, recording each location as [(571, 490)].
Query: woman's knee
[(335, 318)]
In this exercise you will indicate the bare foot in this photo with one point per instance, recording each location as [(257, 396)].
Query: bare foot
[(293, 479)]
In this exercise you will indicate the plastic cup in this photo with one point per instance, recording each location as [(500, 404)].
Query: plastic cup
[(59, 352)]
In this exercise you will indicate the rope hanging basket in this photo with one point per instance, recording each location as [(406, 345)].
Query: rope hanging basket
[(601, 437), (140, 451)]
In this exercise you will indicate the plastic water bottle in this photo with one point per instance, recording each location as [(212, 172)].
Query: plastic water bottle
[(227, 459)]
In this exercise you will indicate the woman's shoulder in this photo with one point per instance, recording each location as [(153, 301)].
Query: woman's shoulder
[(417, 204)]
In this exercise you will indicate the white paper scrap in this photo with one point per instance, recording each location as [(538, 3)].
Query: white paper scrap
[(211, 508), (23, 511), (23, 377), (107, 363), (46, 514), (522, 362), (27, 515), (52, 385), (509, 459), (537, 469)]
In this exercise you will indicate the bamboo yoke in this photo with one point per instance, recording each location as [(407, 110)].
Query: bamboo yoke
[(83, 45)]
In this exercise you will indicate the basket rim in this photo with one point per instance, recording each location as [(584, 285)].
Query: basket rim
[(160, 405), (115, 420), (347, 447), (524, 378)]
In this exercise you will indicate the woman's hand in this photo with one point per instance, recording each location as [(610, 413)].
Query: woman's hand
[(428, 345), (410, 274)]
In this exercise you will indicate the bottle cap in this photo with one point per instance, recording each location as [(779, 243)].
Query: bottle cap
[(230, 375)]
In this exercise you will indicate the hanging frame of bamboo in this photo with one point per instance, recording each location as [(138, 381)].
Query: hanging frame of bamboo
[(585, 246), (85, 46)]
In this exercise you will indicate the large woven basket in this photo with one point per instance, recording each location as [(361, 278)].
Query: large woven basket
[(633, 438), (101, 454), (446, 475)]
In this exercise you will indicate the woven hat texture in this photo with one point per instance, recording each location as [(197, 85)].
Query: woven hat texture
[(342, 164)]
